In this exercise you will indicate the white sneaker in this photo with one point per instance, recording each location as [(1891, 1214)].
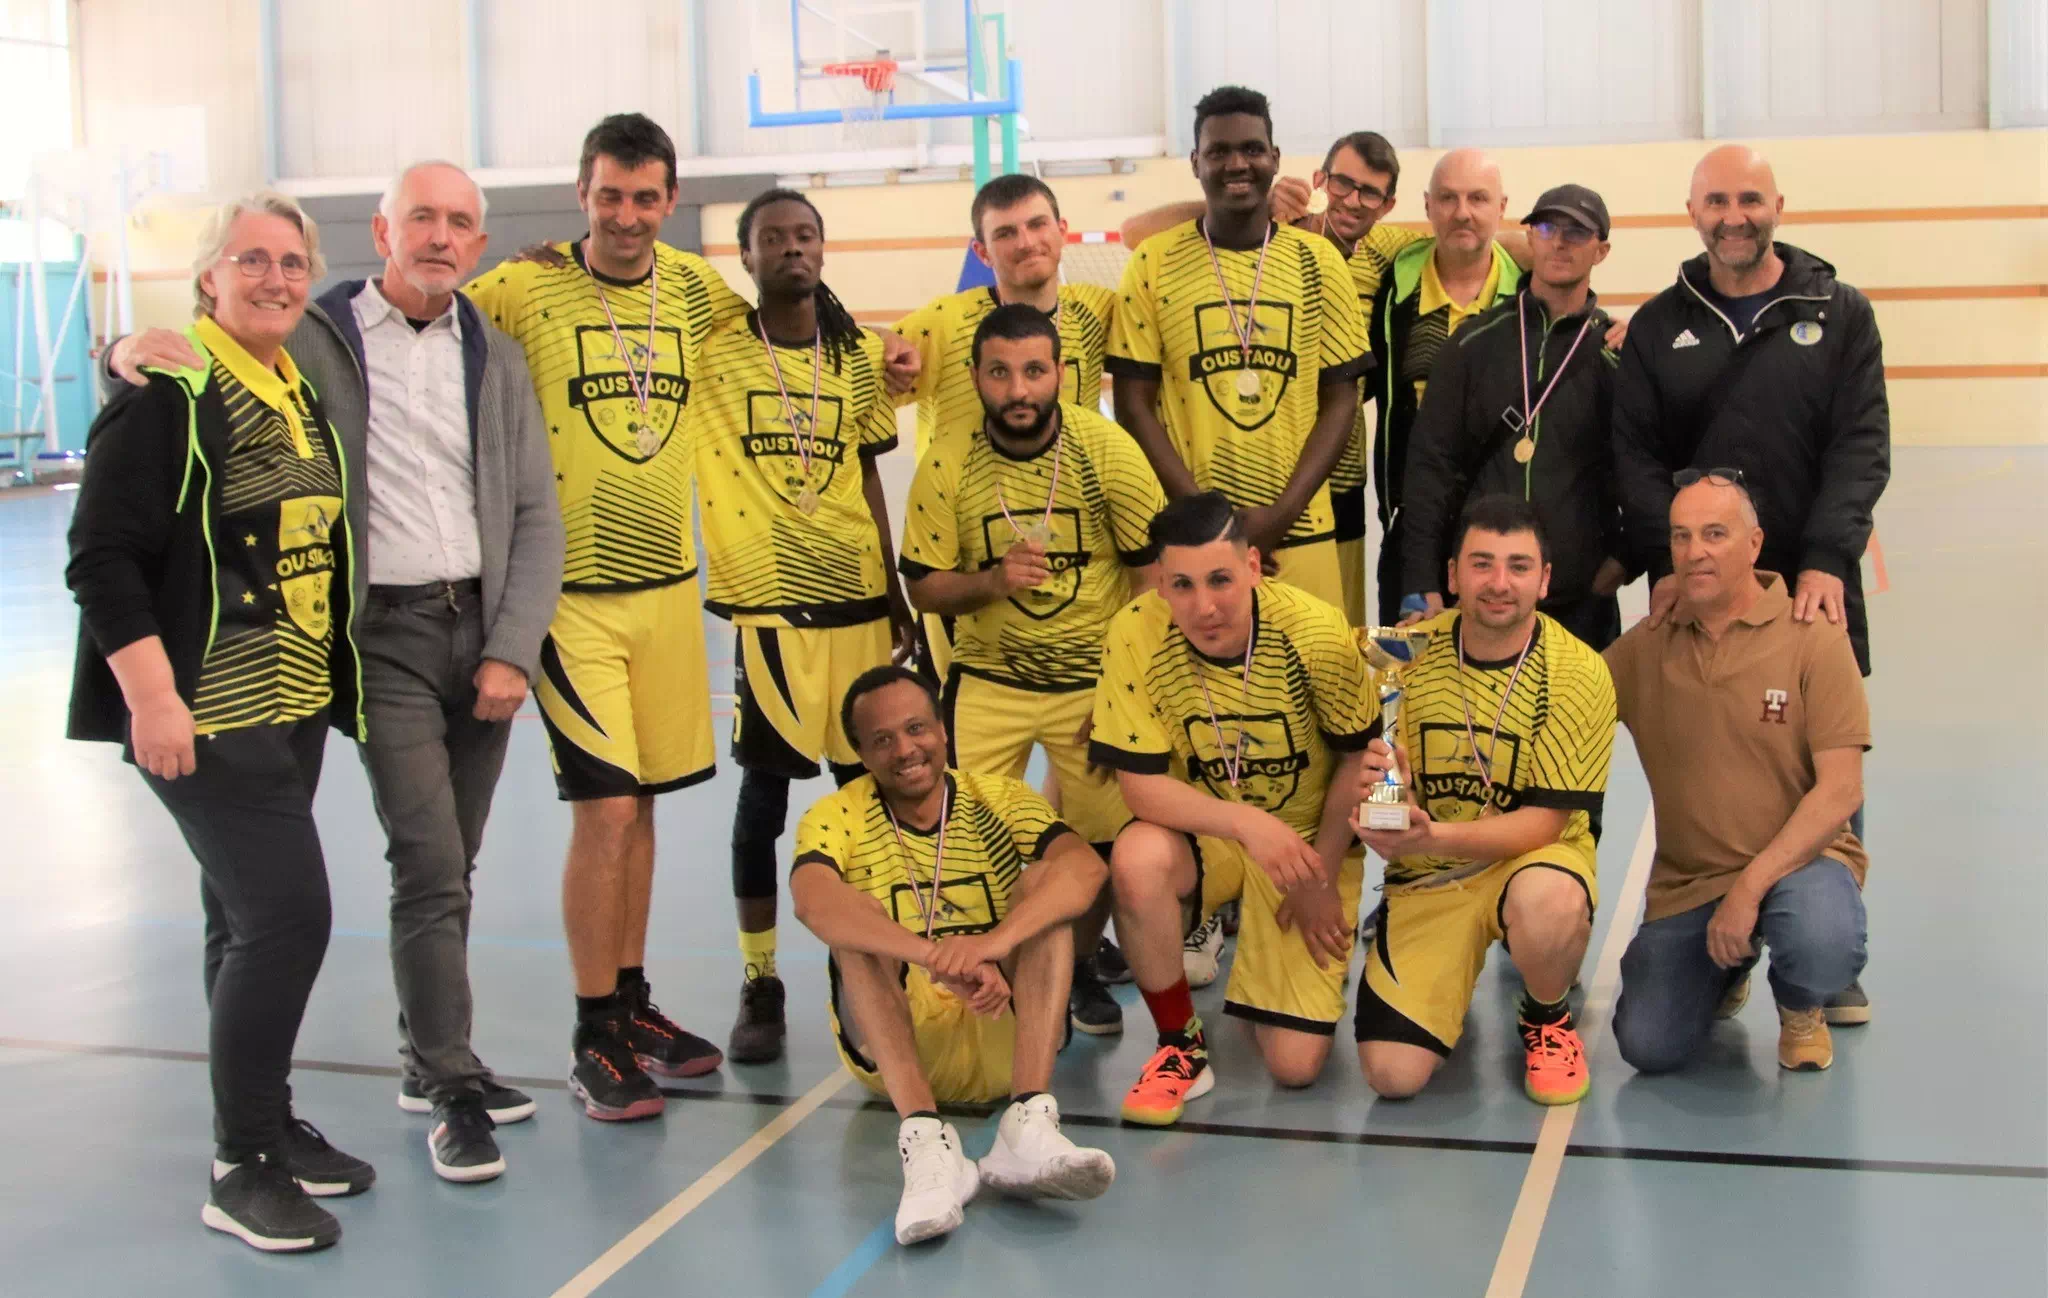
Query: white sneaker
[(1033, 1159), (1201, 950), (938, 1180)]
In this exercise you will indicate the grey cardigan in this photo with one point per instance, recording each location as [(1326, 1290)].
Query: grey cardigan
[(519, 521)]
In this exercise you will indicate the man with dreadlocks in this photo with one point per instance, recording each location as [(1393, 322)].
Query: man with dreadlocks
[(788, 418)]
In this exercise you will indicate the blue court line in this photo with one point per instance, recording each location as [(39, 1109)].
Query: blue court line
[(865, 1254)]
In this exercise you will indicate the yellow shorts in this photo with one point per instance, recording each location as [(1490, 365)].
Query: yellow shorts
[(993, 727), (1351, 570), (1432, 943), (1274, 979), (625, 693), (790, 682), (967, 1058), (1315, 569)]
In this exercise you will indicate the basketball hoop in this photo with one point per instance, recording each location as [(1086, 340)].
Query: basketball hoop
[(864, 88)]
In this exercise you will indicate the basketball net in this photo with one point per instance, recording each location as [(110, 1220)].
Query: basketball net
[(863, 88)]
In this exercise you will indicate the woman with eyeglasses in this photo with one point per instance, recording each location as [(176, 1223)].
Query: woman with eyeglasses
[(211, 561)]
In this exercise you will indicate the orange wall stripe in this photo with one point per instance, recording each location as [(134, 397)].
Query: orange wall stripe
[(1966, 371)]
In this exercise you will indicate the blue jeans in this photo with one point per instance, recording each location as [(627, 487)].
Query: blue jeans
[(1812, 920)]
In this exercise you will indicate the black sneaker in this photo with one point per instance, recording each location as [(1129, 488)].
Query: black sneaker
[(1849, 1007), (322, 1170), (658, 1044), (460, 1141), (259, 1203), (1090, 1006), (758, 1032), (504, 1104), (605, 1076), (1110, 965)]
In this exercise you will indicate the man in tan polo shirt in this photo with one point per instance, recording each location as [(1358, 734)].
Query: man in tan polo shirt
[(1751, 726)]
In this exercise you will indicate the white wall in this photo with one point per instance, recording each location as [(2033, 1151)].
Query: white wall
[(1812, 67)]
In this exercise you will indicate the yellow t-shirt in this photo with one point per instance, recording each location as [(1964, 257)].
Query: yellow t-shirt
[(1050, 636), (1556, 733), (1369, 263), (942, 330), (1437, 318), (1173, 324), (623, 477), (1309, 698), (995, 827), (772, 564)]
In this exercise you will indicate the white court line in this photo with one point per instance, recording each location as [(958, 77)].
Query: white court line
[(1532, 1206), (642, 1236)]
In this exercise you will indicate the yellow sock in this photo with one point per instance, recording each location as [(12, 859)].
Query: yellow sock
[(757, 951)]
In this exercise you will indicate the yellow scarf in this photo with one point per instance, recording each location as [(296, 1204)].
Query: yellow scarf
[(278, 388)]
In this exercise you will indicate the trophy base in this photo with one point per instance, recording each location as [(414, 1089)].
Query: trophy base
[(1386, 815)]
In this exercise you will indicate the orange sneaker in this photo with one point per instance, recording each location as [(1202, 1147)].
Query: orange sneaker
[(1557, 1063), (1174, 1075)]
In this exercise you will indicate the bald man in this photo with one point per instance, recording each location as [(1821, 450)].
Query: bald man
[(1435, 285)]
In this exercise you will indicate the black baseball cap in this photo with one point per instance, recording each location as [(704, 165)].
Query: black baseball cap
[(1575, 201)]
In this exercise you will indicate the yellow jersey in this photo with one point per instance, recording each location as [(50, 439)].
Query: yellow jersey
[(942, 330), (1369, 262), (1050, 636), (621, 474), (1308, 698), (771, 563), (1554, 738), (994, 827), (1174, 324)]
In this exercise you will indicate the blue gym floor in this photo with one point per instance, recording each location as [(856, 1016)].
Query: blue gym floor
[(1918, 1165)]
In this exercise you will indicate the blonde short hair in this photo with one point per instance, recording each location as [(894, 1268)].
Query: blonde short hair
[(213, 240)]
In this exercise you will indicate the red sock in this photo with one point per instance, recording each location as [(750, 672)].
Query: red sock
[(1173, 1009)]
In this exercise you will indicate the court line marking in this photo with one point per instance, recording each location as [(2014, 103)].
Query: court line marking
[(1532, 1206), (848, 1273), (643, 1236)]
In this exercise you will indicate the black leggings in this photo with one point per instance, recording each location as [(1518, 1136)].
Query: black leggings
[(757, 821), (247, 814)]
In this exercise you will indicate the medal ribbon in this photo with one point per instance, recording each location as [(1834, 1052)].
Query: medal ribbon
[(1050, 496), (1485, 759), (1522, 324), (1250, 326), (929, 911), (804, 436), (641, 381), (1233, 761)]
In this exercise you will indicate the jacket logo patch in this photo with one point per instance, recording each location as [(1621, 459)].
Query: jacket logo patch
[(1686, 338), (1774, 706), (1806, 333)]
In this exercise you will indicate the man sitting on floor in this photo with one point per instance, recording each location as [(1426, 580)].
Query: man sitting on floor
[(1751, 726), (944, 897)]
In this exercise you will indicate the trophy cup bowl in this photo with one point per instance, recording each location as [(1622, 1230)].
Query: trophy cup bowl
[(1391, 651)]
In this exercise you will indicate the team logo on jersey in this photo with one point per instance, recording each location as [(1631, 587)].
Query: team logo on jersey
[(1451, 783), (773, 444), (966, 905), (1273, 760), (1774, 705), (1064, 554), (603, 389), (305, 560), (1219, 360), (1806, 333)]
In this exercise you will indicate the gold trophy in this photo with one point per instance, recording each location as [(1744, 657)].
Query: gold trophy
[(1391, 650)]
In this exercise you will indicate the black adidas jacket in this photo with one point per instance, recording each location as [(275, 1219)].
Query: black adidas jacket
[(1798, 404)]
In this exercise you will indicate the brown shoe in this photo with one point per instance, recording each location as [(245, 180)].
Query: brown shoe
[(1804, 1045), (1734, 998)]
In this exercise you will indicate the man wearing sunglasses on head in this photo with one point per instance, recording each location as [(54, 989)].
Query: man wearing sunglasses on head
[(1518, 404)]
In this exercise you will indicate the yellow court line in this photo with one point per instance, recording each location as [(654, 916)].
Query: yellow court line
[(615, 1258), (1532, 1205)]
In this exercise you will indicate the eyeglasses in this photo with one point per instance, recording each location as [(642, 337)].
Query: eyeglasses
[(1570, 232), (1341, 187), (1719, 477), (256, 263)]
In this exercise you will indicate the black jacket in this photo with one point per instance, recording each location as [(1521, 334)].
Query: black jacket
[(1461, 445), (142, 548), (1798, 404)]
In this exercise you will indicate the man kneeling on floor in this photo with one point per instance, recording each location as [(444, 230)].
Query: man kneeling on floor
[(945, 897), (1506, 727), (1751, 726)]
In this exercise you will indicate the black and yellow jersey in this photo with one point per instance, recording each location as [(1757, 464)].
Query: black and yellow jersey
[(1556, 733), (274, 549), (1173, 324), (623, 477), (942, 330), (1308, 699), (1050, 636), (994, 827), (771, 564), (1369, 262)]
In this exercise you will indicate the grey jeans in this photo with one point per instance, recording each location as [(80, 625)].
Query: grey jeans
[(433, 768)]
